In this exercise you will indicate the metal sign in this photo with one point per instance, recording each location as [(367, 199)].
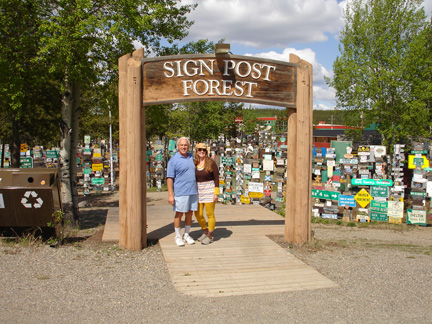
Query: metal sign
[(380, 191), (26, 162), (363, 198), (417, 217), (97, 166), (97, 181), (345, 200), (372, 182), (379, 217), (324, 194), (379, 206)]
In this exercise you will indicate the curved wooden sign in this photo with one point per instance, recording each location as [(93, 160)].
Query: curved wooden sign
[(204, 77)]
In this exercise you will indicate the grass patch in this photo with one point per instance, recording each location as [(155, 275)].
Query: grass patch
[(155, 189)]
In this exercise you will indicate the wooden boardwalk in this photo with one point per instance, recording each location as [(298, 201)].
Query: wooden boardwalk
[(241, 261)]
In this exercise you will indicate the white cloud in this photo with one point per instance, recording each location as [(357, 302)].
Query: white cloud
[(265, 23), (321, 91), (323, 107)]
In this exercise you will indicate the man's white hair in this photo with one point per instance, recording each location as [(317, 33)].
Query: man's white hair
[(183, 138)]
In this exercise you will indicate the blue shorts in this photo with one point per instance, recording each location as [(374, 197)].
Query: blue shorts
[(183, 204)]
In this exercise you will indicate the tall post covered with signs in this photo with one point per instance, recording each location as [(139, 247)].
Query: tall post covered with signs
[(212, 77)]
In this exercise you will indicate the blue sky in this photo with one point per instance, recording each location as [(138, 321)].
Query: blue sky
[(274, 29)]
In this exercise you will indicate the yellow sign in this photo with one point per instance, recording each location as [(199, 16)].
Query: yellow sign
[(256, 194), (244, 199), (395, 220), (97, 167), (23, 148), (363, 198), (413, 161), (221, 182), (97, 154)]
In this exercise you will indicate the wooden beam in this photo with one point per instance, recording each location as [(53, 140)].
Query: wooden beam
[(122, 97), (290, 193), (134, 156), (299, 218)]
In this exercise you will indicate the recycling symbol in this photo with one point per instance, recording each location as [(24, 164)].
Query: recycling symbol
[(26, 204)]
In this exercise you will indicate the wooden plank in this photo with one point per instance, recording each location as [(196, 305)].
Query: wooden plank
[(244, 262)]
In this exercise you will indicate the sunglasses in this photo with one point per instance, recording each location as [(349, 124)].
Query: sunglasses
[(202, 150)]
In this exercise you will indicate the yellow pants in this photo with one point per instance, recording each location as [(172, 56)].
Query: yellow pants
[(209, 207)]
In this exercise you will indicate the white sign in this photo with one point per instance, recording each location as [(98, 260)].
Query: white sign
[(256, 187), (268, 165), (429, 188), (395, 208), (331, 163), (1, 201), (379, 151), (247, 168), (416, 216)]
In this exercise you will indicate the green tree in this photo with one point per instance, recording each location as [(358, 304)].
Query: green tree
[(383, 73), (83, 40), (28, 94)]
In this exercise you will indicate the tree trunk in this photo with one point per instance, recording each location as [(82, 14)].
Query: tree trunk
[(68, 151), (15, 145)]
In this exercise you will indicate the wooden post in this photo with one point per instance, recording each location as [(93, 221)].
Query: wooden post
[(290, 193), (122, 97), (299, 183), (132, 200)]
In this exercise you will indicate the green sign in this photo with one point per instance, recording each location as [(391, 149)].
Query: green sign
[(97, 181), (149, 153), (417, 193), (372, 182), (324, 194), (418, 161), (227, 160), (379, 206), (380, 217), (418, 152), (52, 154), (159, 157), (26, 162), (87, 171), (417, 217), (379, 191)]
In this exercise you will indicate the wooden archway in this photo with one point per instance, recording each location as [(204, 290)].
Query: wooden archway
[(204, 77)]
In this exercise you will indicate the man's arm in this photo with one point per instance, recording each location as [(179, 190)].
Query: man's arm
[(170, 185)]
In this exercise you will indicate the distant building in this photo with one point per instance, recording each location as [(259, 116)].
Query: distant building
[(324, 133)]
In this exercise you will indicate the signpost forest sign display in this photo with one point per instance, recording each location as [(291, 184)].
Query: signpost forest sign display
[(212, 77)]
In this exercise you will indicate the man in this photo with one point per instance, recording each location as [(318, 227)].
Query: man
[(182, 190)]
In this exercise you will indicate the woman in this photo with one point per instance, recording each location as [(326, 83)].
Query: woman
[(207, 176)]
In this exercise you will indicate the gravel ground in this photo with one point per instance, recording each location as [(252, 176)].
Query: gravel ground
[(384, 274)]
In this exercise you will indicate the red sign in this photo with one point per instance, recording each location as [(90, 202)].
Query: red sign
[(336, 178)]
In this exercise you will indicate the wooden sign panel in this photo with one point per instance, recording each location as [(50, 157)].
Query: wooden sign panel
[(204, 77)]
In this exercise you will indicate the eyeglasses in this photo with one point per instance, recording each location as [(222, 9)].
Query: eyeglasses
[(202, 150)]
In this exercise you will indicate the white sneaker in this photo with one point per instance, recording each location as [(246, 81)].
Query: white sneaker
[(179, 241), (188, 239)]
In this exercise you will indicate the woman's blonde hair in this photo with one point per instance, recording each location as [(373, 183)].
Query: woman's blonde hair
[(207, 162)]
